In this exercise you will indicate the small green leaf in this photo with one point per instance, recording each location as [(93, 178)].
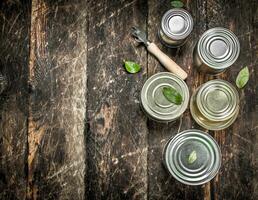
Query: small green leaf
[(132, 67), (192, 157), (177, 4), (242, 77), (172, 95)]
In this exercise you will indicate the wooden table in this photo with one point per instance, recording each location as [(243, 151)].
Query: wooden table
[(71, 126)]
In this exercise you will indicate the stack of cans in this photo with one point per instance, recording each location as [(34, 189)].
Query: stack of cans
[(193, 157)]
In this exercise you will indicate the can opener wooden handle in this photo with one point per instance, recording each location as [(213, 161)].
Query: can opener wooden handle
[(167, 62)]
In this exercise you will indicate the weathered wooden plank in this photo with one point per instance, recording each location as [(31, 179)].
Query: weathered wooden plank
[(161, 184), (14, 54), (57, 100), (117, 131), (238, 175)]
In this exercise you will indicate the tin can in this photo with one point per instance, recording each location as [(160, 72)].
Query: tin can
[(217, 49), (192, 157), (215, 105), (154, 103), (176, 26)]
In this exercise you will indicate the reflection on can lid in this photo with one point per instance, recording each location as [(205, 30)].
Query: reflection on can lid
[(217, 100), (207, 160), (177, 24), (218, 48), (154, 102)]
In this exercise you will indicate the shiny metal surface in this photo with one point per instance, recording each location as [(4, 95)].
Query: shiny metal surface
[(215, 105), (155, 105), (208, 157), (217, 49), (176, 26), (140, 35)]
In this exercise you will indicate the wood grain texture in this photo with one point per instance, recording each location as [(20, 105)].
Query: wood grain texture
[(117, 131), (161, 184), (61, 57), (57, 100), (14, 56), (238, 175)]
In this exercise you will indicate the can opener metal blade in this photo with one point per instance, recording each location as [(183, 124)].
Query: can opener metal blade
[(168, 63)]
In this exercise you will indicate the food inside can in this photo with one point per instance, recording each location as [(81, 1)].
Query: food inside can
[(192, 157), (217, 49), (176, 26), (156, 105), (215, 105)]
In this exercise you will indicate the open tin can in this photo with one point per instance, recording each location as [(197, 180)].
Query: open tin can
[(192, 157), (217, 49), (176, 26), (215, 105), (154, 103)]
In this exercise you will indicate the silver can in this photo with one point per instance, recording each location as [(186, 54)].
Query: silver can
[(215, 105), (176, 26), (192, 157), (154, 103), (217, 49)]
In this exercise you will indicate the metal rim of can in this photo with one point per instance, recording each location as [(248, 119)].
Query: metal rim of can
[(153, 101), (182, 14), (218, 48), (204, 122), (221, 92), (174, 154)]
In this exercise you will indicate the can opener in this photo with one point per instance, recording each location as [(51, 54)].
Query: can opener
[(168, 63)]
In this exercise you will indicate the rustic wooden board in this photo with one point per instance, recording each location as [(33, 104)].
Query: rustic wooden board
[(14, 54), (238, 175), (57, 100), (117, 131), (161, 184), (65, 56)]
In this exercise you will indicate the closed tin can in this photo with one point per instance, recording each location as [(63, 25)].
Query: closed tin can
[(217, 49), (176, 26), (215, 105), (154, 103), (192, 157)]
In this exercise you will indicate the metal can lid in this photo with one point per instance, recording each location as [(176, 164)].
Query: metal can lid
[(183, 167), (177, 23), (217, 100), (218, 48), (155, 103)]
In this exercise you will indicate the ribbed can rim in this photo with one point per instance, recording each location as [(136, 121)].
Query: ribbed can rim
[(188, 23), (181, 145), (218, 48), (219, 92), (154, 103)]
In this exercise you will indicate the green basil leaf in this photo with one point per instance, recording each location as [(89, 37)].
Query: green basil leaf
[(177, 4), (192, 157), (172, 95), (132, 67), (242, 77)]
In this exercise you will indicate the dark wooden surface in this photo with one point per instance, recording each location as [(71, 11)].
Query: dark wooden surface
[(71, 126)]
